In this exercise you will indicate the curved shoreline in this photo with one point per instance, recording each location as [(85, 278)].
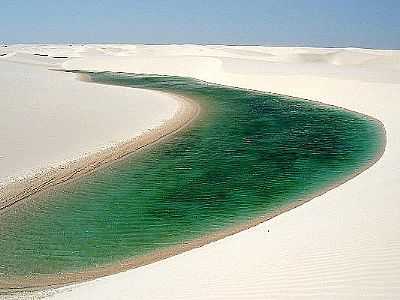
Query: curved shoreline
[(14, 193), (52, 281), (49, 282)]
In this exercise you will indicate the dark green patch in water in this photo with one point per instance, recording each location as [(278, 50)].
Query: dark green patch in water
[(248, 154)]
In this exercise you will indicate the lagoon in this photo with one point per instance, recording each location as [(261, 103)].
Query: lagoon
[(247, 155)]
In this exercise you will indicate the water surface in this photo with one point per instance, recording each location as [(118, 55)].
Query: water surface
[(247, 154)]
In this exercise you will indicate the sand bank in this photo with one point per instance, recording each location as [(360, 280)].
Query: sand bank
[(56, 128), (343, 244)]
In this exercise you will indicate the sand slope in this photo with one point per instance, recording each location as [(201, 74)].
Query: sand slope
[(344, 244), (49, 117)]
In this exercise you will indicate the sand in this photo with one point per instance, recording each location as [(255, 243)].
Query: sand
[(343, 244), (49, 119)]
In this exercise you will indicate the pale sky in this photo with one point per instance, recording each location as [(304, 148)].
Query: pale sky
[(358, 23)]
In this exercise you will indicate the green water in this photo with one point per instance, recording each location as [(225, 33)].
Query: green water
[(247, 154)]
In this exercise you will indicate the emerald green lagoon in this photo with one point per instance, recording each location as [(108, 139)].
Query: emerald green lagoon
[(247, 154)]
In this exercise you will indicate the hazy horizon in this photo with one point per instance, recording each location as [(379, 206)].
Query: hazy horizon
[(304, 23)]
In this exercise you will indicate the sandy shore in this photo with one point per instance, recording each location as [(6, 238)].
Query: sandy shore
[(343, 244), (12, 193), (41, 119), (41, 283), (26, 191), (49, 118)]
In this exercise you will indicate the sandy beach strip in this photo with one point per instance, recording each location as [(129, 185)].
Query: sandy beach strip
[(17, 191), (55, 128), (49, 118)]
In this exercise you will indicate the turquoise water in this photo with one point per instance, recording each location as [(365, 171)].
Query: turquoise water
[(247, 154)]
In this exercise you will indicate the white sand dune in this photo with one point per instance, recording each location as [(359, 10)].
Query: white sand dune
[(344, 244), (49, 117)]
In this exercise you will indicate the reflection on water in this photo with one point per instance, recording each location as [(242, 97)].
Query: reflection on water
[(249, 153)]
